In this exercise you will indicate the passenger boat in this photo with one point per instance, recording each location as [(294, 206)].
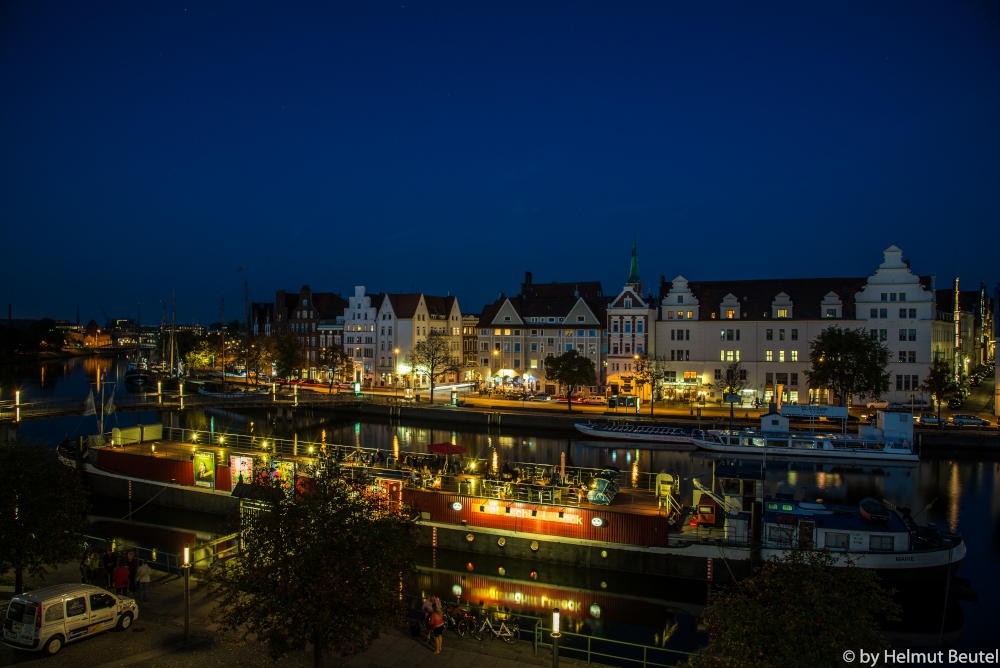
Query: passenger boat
[(891, 439), (638, 432)]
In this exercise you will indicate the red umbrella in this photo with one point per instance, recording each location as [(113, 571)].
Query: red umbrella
[(446, 449)]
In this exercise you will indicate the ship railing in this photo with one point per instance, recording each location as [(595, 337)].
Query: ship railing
[(202, 556)]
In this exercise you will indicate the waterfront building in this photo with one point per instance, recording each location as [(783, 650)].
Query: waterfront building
[(470, 348), (301, 313), (95, 337), (517, 334), (359, 321), (628, 332), (403, 321), (767, 325)]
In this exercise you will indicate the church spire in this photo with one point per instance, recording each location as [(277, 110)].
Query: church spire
[(633, 270)]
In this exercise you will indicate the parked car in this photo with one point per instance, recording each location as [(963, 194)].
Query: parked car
[(47, 618), (927, 418), (968, 420), (541, 396), (594, 401), (881, 403)]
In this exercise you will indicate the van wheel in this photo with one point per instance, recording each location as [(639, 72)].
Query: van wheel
[(125, 621), (53, 646)]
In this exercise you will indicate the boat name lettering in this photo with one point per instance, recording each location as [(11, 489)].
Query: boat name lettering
[(905, 559), (494, 508)]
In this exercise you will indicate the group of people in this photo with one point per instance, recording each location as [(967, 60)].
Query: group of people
[(122, 572), (435, 621)]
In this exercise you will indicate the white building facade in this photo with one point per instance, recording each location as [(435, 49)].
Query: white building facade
[(359, 334)]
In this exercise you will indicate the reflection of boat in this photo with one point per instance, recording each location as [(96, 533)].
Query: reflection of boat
[(635, 432), (632, 445), (889, 440)]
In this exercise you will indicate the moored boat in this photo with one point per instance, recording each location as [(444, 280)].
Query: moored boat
[(638, 432)]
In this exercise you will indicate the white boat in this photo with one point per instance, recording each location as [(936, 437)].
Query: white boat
[(891, 439), (638, 432)]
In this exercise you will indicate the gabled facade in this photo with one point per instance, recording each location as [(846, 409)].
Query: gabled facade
[(360, 335), (517, 334), (403, 321), (301, 313)]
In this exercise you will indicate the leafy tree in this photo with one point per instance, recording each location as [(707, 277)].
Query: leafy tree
[(200, 355), (939, 383), (651, 370), (571, 369), (324, 568), (288, 355), (733, 381), (336, 359), (849, 362), (433, 357), (42, 510), (799, 611), (258, 353)]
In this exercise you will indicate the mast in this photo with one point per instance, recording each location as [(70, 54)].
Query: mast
[(173, 314), (223, 333), (246, 330)]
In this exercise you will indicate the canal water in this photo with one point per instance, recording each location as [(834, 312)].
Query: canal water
[(960, 493)]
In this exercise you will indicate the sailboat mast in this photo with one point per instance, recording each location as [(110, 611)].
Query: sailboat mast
[(223, 332), (173, 314)]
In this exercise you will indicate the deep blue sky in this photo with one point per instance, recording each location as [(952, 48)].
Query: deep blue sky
[(147, 146)]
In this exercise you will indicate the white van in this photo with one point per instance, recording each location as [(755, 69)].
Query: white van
[(46, 619)]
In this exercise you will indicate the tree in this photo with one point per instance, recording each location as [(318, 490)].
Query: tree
[(337, 360), (200, 355), (849, 362), (288, 355), (258, 353), (732, 381), (432, 356), (324, 568), (793, 612), (939, 383), (43, 509), (650, 370), (570, 369)]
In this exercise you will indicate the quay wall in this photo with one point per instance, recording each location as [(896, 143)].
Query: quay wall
[(116, 486)]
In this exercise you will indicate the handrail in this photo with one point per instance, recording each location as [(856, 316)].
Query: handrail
[(539, 641), (169, 562)]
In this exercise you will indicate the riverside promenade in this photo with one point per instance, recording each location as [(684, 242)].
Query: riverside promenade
[(157, 639)]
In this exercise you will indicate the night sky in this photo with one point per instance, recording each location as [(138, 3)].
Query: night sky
[(449, 147)]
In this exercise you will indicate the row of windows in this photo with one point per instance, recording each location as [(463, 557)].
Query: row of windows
[(907, 382), (718, 374), (891, 297), (683, 335), (781, 378), (532, 364), (782, 535), (908, 356), (627, 329), (793, 356), (680, 314), (883, 313)]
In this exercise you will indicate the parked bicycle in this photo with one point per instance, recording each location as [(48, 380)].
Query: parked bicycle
[(508, 631)]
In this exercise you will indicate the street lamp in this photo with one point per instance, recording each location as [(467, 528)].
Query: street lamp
[(555, 637), (186, 566), (395, 369), (496, 360)]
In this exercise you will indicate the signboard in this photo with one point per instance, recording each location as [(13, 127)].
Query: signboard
[(732, 398), (204, 469), (791, 410), (241, 469), (537, 514), (284, 474)]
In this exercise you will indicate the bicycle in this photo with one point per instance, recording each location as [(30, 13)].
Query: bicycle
[(508, 631)]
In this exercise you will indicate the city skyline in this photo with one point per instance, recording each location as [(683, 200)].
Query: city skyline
[(448, 150)]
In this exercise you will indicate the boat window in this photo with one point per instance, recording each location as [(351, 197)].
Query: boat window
[(880, 543), (779, 535), (706, 510), (777, 443), (730, 486), (787, 506), (772, 506), (759, 442), (749, 487), (806, 445), (837, 541)]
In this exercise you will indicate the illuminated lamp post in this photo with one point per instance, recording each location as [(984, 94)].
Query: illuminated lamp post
[(395, 369), (555, 637), (496, 361), (186, 566)]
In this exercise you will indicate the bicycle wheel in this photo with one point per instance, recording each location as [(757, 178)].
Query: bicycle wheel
[(462, 628), (512, 635), (479, 632)]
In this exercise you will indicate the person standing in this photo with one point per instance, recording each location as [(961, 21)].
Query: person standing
[(85, 569), (97, 574), (120, 579), (142, 574), (436, 626), (133, 565), (109, 567)]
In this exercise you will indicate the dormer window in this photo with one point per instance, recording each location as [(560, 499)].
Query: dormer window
[(782, 313), (730, 314), (628, 302), (506, 318), (579, 318), (680, 299)]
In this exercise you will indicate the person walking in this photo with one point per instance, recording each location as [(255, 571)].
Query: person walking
[(133, 565), (142, 574), (109, 567), (121, 579), (436, 626)]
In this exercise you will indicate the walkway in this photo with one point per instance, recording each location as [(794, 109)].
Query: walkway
[(156, 639)]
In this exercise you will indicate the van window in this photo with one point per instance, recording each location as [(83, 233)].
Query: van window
[(54, 613), (22, 611), (101, 602), (76, 607)]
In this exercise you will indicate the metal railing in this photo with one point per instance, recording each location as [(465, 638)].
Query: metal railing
[(202, 556), (587, 648)]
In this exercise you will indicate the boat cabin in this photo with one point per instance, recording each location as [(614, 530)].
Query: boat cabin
[(839, 528)]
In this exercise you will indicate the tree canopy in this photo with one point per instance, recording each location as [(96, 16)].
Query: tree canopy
[(433, 356), (571, 370), (799, 611), (42, 510), (848, 362), (289, 355), (733, 379), (336, 359), (939, 383), (325, 568), (651, 370), (200, 354)]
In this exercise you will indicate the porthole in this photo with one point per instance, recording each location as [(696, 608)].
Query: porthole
[(502, 571), (501, 541), (469, 537), (534, 546), (604, 554)]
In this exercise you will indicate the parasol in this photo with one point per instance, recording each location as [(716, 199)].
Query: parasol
[(446, 449)]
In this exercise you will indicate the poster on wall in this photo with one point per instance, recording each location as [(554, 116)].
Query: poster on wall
[(284, 474), (204, 469), (241, 469)]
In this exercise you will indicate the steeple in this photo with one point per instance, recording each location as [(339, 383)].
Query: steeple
[(633, 271)]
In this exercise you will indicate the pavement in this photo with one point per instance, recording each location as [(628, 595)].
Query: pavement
[(157, 639)]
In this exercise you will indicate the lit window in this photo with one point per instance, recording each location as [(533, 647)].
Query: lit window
[(730, 314), (729, 356), (670, 315), (506, 332), (690, 315), (768, 356), (795, 355), (722, 355), (782, 313), (781, 355)]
